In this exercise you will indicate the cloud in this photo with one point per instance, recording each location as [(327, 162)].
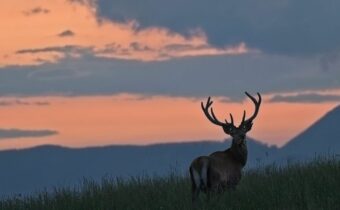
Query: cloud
[(328, 60), (306, 98), (59, 49), (223, 76), (166, 52), (306, 27), (91, 3), (18, 102), (36, 10), (42, 41), (52, 54), (66, 33), (18, 133)]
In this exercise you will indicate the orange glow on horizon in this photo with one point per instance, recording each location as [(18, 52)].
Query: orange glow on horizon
[(128, 119)]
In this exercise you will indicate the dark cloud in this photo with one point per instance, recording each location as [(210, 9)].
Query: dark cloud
[(226, 76), (36, 10), (116, 49), (306, 98), (60, 49), (136, 46), (66, 33), (164, 53), (182, 47), (18, 102), (18, 133), (290, 27)]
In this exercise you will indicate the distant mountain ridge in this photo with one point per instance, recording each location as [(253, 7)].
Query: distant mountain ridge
[(322, 137), (23, 171)]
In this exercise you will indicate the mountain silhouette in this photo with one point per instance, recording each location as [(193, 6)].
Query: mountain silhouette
[(321, 138), (28, 170)]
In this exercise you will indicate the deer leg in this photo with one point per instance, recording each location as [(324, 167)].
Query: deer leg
[(195, 185), (195, 191)]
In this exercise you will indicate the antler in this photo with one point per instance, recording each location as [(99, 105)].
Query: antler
[(257, 104), (211, 117)]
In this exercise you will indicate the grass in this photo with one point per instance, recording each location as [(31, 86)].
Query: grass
[(314, 185)]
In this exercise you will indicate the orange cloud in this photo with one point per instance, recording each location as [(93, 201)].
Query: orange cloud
[(31, 26)]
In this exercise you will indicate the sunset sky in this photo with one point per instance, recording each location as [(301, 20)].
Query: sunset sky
[(81, 73)]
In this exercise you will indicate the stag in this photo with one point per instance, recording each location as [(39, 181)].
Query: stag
[(222, 170)]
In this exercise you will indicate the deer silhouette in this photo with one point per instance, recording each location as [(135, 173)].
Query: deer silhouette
[(222, 170)]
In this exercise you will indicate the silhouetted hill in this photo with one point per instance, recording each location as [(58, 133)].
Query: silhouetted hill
[(321, 138), (27, 170)]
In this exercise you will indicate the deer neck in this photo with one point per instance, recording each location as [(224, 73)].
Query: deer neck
[(239, 152)]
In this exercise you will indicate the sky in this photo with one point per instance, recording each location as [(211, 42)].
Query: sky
[(82, 73)]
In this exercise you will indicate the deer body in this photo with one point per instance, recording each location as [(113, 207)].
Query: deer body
[(222, 170)]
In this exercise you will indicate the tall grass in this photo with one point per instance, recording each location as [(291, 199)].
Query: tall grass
[(314, 185)]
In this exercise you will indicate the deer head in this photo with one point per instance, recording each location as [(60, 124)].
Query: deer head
[(237, 133)]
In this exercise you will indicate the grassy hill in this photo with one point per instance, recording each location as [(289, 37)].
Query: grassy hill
[(314, 185)]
